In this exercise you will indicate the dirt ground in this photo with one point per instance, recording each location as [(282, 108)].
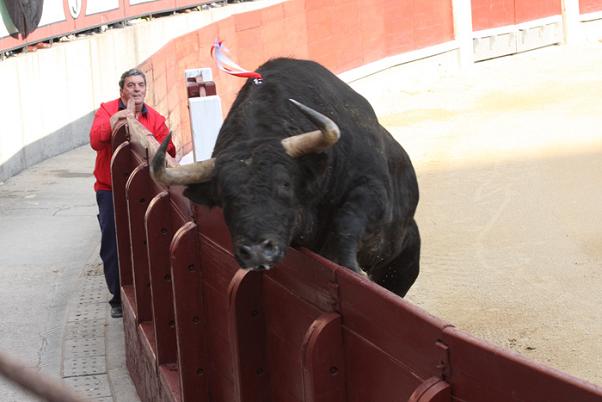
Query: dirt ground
[(509, 162)]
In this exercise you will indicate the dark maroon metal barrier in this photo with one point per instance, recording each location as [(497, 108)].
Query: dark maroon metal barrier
[(199, 329)]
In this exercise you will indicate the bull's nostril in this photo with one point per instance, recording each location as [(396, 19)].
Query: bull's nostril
[(244, 252), (268, 245), (270, 249)]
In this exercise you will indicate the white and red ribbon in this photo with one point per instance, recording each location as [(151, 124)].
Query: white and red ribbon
[(227, 65)]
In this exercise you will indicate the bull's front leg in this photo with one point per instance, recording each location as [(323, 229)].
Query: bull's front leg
[(341, 247), (349, 226)]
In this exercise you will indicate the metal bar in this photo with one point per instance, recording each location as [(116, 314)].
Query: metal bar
[(36, 383)]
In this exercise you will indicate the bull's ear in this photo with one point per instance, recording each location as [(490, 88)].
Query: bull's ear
[(204, 194)]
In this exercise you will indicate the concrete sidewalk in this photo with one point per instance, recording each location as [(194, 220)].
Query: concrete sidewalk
[(55, 315)]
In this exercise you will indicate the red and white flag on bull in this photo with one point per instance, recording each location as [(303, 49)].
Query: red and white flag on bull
[(227, 65)]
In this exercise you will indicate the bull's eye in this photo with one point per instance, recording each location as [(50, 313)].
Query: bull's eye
[(281, 182), (284, 190), (285, 186)]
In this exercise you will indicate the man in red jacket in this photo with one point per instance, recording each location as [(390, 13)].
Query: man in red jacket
[(132, 90)]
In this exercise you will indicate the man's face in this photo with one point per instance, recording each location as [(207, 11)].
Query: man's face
[(134, 88)]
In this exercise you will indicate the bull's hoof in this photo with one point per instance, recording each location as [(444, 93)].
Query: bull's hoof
[(262, 267), (358, 270)]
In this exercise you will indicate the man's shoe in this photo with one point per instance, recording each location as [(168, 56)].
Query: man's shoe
[(116, 312)]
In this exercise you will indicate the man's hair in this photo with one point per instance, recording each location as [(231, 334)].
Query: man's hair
[(129, 73)]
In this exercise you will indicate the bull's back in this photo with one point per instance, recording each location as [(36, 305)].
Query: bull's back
[(263, 108), (307, 78), (365, 147)]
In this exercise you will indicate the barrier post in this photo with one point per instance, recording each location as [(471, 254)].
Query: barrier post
[(247, 335), (191, 325), (138, 195), (121, 168), (159, 232), (323, 360)]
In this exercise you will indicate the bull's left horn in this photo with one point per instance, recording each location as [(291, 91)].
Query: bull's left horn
[(313, 141), (197, 172)]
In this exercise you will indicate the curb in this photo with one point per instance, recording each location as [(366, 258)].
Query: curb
[(93, 349)]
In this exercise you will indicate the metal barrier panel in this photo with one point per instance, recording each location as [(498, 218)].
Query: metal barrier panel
[(487, 14), (510, 26)]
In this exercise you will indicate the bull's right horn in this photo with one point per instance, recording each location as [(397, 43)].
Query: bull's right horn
[(313, 141), (197, 172)]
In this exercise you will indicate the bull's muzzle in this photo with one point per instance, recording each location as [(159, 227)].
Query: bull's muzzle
[(258, 256)]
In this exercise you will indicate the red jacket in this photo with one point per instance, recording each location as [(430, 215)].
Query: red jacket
[(100, 137)]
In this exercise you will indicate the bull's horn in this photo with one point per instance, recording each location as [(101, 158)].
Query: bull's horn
[(197, 172), (313, 141)]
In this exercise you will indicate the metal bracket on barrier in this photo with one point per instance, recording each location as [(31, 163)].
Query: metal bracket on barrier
[(443, 367), (436, 389), (432, 390)]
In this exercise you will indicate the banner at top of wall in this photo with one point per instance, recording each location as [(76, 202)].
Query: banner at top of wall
[(25, 14)]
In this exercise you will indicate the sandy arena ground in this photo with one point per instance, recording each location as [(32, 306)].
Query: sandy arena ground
[(509, 162)]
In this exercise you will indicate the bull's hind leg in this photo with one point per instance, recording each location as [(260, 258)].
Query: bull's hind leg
[(401, 273)]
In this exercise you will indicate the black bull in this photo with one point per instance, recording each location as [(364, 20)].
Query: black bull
[(347, 190)]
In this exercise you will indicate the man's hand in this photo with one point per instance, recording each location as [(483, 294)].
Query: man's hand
[(129, 111)]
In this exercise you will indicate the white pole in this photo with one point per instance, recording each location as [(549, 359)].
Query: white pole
[(571, 22), (462, 10)]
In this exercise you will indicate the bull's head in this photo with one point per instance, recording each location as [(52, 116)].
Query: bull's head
[(258, 183)]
